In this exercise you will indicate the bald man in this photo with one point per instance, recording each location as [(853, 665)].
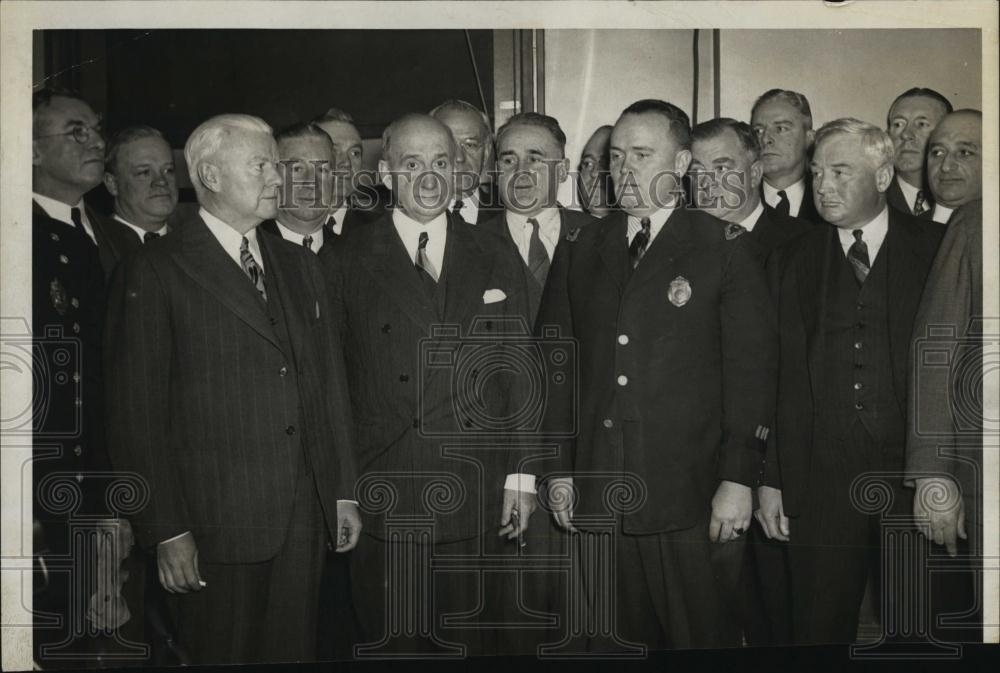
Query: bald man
[(593, 182), (955, 162)]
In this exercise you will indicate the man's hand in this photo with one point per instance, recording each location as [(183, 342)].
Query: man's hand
[(177, 562), (562, 499), (940, 511), (348, 526), (517, 509), (771, 514), (731, 507)]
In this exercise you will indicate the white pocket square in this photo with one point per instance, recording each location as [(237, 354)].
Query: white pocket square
[(493, 296)]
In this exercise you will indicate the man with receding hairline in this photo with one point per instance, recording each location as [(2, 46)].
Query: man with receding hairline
[(593, 183), (911, 119), (227, 394), (846, 301), (955, 162), (475, 198), (352, 204)]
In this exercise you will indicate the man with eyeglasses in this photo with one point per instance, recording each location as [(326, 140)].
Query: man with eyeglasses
[(67, 312), (476, 199)]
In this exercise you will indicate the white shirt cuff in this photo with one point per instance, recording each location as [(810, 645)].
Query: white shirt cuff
[(520, 482), (353, 502), (176, 537)]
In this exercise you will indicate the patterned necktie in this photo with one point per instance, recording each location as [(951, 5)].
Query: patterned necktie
[(425, 269), (538, 259), (252, 268), (920, 205), (640, 242), (784, 205), (307, 242), (150, 236), (858, 256)]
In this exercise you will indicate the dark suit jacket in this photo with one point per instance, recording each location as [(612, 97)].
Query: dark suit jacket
[(693, 331), (114, 241), (355, 218), (774, 230), (212, 405), (807, 210), (569, 220), (910, 245), (407, 404), (897, 200)]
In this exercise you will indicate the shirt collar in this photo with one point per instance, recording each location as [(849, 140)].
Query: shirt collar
[(795, 193), (297, 238), (750, 221), (140, 232), (546, 217), (942, 213), (407, 224), (230, 239), (656, 222), (57, 210), (909, 192), (873, 233)]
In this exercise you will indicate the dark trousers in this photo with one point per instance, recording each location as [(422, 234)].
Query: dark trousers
[(764, 587), (836, 542), (956, 592), (675, 590), (338, 628), (260, 612)]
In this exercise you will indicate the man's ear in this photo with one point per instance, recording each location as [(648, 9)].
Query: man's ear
[(36, 155), (883, 176), (682, 161), (208, 175), (111, 184), (383, 174), (810, 139), (562, 170), (756, 174)]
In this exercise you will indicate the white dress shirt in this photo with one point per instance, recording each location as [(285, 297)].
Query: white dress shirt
[(750, 221), (549, 224), (656, 222), (58, 210), (909, 193), (338, 216), (409, 231), (873, 233), (232, 240), (942, 213), (139, 231), (795, 193), (470, 207), (297, 238)]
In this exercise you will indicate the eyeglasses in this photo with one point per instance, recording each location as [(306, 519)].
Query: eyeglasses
[(81, 134)]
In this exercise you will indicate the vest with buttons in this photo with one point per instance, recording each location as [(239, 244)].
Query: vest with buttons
[(858, 378)]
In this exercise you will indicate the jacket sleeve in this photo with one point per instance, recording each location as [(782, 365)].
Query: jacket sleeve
[(749, 365), (137, 363)]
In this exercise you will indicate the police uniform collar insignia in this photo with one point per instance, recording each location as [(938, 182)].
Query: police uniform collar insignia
[(734, 230), (571, 236)]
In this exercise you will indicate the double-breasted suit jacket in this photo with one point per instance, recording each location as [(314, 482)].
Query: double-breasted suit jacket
[(218, 399), (408, 405), (677, 365)]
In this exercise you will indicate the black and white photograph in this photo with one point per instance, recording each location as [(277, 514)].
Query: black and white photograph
[(534, 334)]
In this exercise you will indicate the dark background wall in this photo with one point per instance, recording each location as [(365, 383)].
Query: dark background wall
[(175, 79)]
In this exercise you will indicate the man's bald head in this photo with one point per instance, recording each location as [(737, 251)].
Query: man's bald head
[(955, 160), (418, 160)]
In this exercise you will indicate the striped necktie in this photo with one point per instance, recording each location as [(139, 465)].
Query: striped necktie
[(425, 269), (307, 242), (640, 242), (920, 205), (858, 256), (150, 236), (538, 258), (252, 268)]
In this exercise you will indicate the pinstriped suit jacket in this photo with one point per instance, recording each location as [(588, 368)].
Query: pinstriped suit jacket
[(213, 396)]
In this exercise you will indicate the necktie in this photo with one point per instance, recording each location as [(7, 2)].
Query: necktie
[(920, 205), (331, 222), (784, 205), (307, 242), (150, 236), (457, 208), (538, 258), (252, 268), (858, 256), (639, 243), (74, 214), (425, 270)]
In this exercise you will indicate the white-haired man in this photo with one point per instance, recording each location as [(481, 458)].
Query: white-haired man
[(847, 298), (476, 199), (226, 393)]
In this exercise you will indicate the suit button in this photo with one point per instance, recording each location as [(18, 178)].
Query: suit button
[(404, 377), (282, 371), (54, 236), (76, 327), (386, 328), (290, 430), (857, 345), (274, 321), (859, 406), (78, 450), (74, 302), (857, 386), (608, 423), (623, 380), (64, 259), (623, 339)]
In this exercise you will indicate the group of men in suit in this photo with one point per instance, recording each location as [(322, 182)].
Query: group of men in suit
[(287, 369)]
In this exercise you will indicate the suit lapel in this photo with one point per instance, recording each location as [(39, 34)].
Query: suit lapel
[(905, 284), (814, 280), (612, 247), (467, 268), (283, 277), (391, 267), (202, 257)]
